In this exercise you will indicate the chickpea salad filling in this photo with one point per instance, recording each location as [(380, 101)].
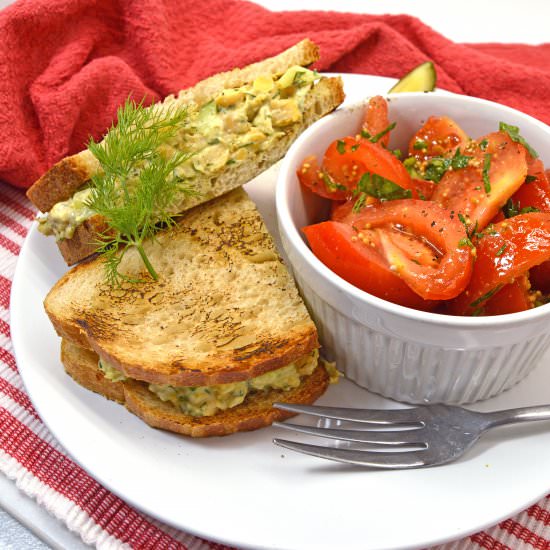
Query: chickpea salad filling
[(229, 129), (209, 400)]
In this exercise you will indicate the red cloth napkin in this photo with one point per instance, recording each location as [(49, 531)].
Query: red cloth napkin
[(67, 64)]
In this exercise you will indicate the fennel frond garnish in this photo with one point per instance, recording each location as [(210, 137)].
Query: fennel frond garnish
[(137, 183)]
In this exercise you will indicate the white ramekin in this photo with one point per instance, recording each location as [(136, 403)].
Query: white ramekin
[(400, 353)]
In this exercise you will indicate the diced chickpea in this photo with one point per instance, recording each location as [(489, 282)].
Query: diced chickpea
[(230, 97), (263, 83), (284, 112)]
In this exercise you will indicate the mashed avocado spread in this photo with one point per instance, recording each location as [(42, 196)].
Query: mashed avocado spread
[(234, 126), (208, 400)]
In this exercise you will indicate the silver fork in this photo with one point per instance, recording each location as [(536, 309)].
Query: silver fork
[(428, 435)]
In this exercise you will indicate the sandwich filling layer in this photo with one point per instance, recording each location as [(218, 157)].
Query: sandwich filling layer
[(233, 127), (208, 400)]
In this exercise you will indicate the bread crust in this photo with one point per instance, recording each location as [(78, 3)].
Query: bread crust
[(71, 173), (212, 318), (82, 245), (82, 366), (255, 412), (62, 181)]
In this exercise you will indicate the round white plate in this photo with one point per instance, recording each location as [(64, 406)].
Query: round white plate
[(245, 491)]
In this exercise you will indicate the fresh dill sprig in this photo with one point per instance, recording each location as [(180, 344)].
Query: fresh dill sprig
[(137, 183)]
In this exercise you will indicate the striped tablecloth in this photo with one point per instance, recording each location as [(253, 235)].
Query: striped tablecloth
[(40, 467)]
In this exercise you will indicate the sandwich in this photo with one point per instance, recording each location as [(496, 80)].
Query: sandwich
[(228, 129), (207, 347)]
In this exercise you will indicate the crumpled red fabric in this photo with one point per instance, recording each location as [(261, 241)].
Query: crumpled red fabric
[(65, 65)]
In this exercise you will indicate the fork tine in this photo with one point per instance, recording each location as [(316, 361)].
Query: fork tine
[(373, 459), (395, 437), (368, 416)]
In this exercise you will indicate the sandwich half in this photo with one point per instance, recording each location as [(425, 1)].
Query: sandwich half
[(236, 125), (208, 347)]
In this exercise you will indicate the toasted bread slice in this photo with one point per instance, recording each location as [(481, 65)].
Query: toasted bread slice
[(82, 365), (72, 173), (224, 309), (255, 412)]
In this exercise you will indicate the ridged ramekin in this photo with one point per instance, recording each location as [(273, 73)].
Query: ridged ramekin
[(404, 354)]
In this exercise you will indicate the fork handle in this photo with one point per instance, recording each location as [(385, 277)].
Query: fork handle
[(513, 416)]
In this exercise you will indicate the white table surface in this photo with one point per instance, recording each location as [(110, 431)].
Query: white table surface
[(465, 21)]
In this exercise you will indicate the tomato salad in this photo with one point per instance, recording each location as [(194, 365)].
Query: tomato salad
[(460, 226)]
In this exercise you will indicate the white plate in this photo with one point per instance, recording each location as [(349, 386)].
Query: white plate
[(244, 491)]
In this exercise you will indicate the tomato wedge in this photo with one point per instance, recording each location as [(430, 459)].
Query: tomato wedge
[(345, 162), (508, 251), (496, 171), (439, 136), (539, 276), (311, 176), (347, 159), (511, 298), (337, 246), (535, 192), (422, 243), (376, 119)]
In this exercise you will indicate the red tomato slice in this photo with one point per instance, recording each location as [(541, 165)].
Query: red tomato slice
[(422, 244), (483, 187), (539, 276), (534, 192), (422, 189), (337, 246), (376, 119), (347, 159), (439, 136), (311, 176), (511, 298), (507, 252), (343, 212)]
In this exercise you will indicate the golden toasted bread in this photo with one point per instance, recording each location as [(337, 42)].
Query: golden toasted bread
[(245, 160), (224, 309), (255, 412)]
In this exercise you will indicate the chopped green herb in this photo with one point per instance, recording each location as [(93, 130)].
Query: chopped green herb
[(436, 169), (331, 184), (397, 153), (486, 296), (465, 241), (360, 202), (420, 144), (485, 172), (511, 209), (477, 312), (381, 134), (355, 147), (483, 144), (378, 187), (341, 146), (411, 165), (501, 250), (459, 161), (528, 209), (438, 166), (513, 132), (530, 179)]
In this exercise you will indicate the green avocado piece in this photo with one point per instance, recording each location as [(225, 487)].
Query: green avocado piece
[(421, 79)]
